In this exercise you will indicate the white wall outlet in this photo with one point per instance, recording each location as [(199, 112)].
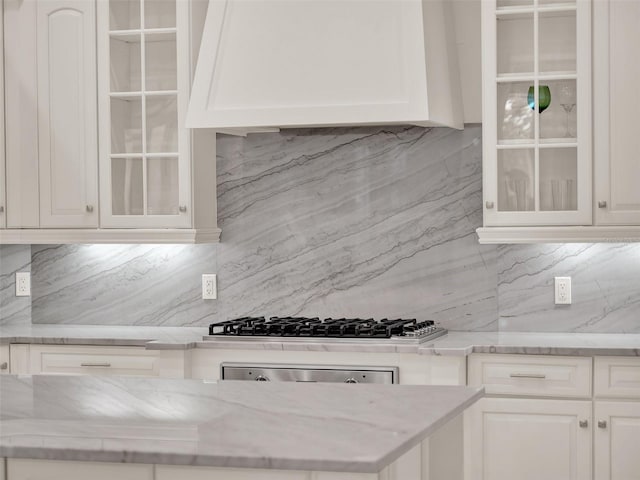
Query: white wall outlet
[(23, 284), (563, 290), (209, 286)]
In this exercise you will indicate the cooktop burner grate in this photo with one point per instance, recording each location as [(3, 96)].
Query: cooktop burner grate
[(329, 328)]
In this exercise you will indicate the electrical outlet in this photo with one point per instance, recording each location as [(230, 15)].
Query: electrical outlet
[(209, 286), (563, 290), (23, 284)]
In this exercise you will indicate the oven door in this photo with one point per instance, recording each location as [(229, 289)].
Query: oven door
[(275, 372)]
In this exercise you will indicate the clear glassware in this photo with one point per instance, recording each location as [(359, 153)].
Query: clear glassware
[(567, 98)]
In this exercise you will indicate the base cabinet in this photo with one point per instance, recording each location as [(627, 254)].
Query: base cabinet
[(530, 439), (616, 440), (26, 469)]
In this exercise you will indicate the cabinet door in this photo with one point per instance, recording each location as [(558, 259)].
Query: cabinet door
[(616, 440), (530, 439), (616, 76), (537, 112), (143, 82), (3, 216), (67, 113), (25, 469)]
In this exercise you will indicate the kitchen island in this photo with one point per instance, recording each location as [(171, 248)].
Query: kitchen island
[(189, 429)]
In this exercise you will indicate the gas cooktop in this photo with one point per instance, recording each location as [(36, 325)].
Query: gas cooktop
[(329, 329)]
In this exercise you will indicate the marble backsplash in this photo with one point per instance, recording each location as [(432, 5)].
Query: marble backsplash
[(337, 222)]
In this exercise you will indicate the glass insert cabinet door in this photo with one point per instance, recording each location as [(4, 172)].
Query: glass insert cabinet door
[(537, 112), (143, 83)]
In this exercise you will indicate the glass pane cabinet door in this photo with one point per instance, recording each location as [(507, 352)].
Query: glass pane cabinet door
[(537, 118), (145, 164)]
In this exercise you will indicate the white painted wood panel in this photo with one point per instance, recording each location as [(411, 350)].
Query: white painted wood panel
[(616, 441), (93, 360), (531, 375), (530, 439), (67, 113), (616, 377), (26, 469), (21, 116), (616, 105), (3, 178), (295, 63)]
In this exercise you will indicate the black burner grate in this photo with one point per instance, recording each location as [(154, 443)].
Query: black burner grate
[(314, 327)]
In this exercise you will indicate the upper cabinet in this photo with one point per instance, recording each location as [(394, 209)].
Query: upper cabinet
[(97, 94), (541, 142), (67, 113), (289, 63), (616, 103), (145, 149), (537, 114)]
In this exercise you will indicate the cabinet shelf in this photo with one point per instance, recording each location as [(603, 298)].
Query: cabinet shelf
[(516, 11), (531, 76), (135, 35), (148, 93)]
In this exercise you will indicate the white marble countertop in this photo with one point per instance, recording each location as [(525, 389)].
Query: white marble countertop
[(321, 427), (454, 343)]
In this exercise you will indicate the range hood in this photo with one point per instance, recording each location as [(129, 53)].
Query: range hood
[(313, 63)]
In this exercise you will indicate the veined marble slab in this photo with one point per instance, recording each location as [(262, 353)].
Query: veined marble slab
[(454, 343), (317, 427)]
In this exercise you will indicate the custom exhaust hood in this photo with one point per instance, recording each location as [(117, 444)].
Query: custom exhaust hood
[(313, 63)]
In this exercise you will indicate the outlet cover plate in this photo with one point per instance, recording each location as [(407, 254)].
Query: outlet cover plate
[(563, 290), (209, 286), (23, 284)]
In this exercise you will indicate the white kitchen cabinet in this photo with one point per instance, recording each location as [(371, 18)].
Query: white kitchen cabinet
[(537, 112), (51, 124), (616, 440), (530, 439), (27, 469), (616, 104), (150, 164), (157, 179), (3, 210), (98, 360), (67, 113)]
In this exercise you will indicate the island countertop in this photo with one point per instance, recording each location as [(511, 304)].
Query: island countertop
[(322, 427)]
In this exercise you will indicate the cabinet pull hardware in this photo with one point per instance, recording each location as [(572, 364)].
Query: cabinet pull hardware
[(583, 423), (182, 208), (602, 204), (95, 364), (4, 366), (1, 209), (602, 424), (489, 205), (527, 375), (89, 208)]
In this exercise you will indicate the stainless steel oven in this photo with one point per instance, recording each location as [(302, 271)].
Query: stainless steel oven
[(276, 372)]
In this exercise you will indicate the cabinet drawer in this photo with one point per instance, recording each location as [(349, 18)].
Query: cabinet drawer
[(93, 360), (532, 375), (617, 377)]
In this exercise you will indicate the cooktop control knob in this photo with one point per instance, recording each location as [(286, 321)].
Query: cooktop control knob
[(262, 378), (351, 380)]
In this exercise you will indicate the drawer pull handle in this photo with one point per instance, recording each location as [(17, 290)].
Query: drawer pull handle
[(527, 375), (583, 423), (95, 364), (602, 204), (4, 366), (602, 424)]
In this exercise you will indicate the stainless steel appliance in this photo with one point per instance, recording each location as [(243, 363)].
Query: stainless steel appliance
[(329, 329), (274, 372)]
